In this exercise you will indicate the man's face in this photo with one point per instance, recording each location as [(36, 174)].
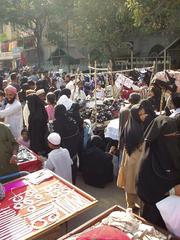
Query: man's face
[(10, 97), (67, 79)]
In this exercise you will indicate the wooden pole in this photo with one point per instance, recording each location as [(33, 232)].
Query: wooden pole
[(89, 64), (112, 84), (162, 98), (164, 59), (75, 84), (95, 91)]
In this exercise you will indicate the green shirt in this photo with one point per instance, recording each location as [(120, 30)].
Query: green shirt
[(7, 145)]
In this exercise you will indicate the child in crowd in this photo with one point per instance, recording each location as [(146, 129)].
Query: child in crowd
[(51, 101), (24, 139), (59, 160)]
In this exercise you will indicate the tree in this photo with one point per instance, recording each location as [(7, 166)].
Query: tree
[(101, 25), (29, 16), (155, 15)]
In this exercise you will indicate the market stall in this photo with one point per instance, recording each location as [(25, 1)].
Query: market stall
[(38, 203), (27, 160), (132, 225)]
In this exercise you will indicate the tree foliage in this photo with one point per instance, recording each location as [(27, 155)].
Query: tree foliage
[(154, 15), (102, 24), (99, 25)]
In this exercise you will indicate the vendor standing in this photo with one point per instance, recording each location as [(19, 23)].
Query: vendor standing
[(8, 152), (12, 113)]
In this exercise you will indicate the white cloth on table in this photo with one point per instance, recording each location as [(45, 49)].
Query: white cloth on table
[(112, 129), (59, 161), (12, 115), (169, 208)]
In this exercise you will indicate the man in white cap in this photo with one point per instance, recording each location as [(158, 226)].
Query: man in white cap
[(59, 160), (42, 95), (12, 113)]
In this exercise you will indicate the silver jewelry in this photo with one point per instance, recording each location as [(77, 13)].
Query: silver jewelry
[(43, 222), (31, 209), (28, 201), (30, 193), (17, 198), (18, 206), (38, 196), (53, 217)]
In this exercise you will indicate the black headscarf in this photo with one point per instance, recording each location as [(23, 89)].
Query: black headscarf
[(37, 109), (133, 130), (95, 141), (74, 111), (67, 128), (63, 124), (160, 163), (156, 99), (147, 106), (37, 129)]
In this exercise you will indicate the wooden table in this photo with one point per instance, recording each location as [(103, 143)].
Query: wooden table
[(99, 218), (31, 211)]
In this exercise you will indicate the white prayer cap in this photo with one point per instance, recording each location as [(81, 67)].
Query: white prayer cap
[(40, 91), (54, 138)]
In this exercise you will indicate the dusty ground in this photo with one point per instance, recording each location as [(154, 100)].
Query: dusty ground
[(107, 197)]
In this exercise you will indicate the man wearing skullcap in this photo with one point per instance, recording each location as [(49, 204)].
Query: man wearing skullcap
[(12, 113), (59, 160)]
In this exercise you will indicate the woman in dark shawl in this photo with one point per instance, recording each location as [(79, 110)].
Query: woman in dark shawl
[(67, 128), (155, 98), (132, 138), (147, 105), (69, 132), (97, 168), (75, 114), (37, 129), (160, 165)]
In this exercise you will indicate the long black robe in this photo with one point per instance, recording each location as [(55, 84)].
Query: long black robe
[(37, 129), (160, 167), (97, 169)]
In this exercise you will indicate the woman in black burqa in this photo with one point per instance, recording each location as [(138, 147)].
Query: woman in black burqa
[(160, 165), (69, 132), (37, 129), (132, 139), (97, 168)]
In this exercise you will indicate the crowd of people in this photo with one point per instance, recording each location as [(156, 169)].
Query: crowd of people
[(42, 112)]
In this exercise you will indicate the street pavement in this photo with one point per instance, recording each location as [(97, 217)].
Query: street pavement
[(107, 197)]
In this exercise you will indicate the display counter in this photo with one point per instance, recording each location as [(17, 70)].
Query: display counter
[(154, 233), (38, 203), (27, 160)]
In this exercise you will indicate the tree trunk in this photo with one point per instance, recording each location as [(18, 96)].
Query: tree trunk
[(38, 31), (111, 56), (40, 54)]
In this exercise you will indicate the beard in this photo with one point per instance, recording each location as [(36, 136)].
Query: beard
[(11, 101)]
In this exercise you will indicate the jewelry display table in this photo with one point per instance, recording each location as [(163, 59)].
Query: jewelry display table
[(28, 160), (38, 203), (157, 233)]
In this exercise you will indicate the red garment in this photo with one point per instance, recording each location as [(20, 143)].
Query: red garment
[(104, 233), (126, 92)]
